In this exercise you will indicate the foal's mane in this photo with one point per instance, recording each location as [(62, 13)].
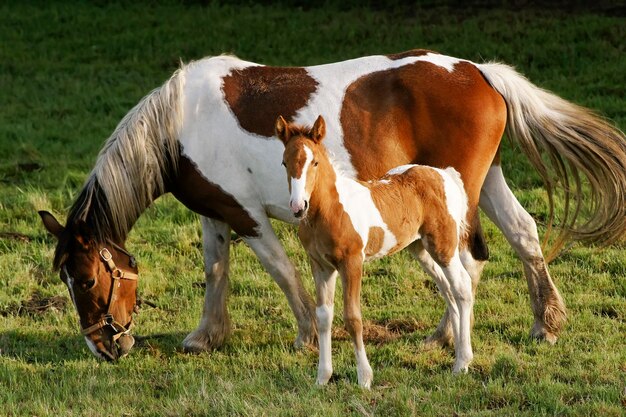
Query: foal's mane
[(133, 167)]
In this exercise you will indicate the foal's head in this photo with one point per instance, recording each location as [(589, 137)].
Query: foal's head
[(102, 281), (301, 158)]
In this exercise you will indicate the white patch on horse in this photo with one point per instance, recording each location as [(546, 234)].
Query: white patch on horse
[(222, 151), (447, 62), (456, 197), (69, 281), (93, 349), (357, 202), (399, 169), (299, 193)]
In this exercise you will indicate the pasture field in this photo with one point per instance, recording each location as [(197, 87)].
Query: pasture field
[(70, 71)]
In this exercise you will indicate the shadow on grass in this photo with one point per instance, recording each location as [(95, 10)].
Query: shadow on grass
[(34, 346)]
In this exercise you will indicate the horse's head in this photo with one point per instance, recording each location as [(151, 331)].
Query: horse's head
[(303, 150), (102, 280)]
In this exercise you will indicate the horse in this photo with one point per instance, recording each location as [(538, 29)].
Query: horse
[(207, 137), (344, 222)]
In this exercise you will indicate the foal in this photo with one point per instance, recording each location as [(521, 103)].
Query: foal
[(345, 222)]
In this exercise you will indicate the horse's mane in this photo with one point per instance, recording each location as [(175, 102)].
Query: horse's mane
[(133, 167)]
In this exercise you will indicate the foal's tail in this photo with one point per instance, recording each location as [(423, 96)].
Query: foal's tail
[(574, 141)]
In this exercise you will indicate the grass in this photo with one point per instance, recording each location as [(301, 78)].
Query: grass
[(70, 71)]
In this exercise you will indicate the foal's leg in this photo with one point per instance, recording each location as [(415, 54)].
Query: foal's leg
[(270, 252), (460, 283), (351, 274), (449, 326), (325, 278), (443, 335), (214, 326), (519, 228)]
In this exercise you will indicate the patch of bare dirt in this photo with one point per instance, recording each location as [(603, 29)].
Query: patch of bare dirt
[(37, 304), (383, 331)]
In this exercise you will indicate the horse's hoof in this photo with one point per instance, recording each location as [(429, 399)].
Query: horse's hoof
[(437, 341), (306, 341), (460, 369), (197, 342), (541, 334)]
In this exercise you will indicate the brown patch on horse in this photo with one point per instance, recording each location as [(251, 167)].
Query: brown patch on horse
[(210, 200), (258, 95), (406, 54), (421, 113), (375, 239)]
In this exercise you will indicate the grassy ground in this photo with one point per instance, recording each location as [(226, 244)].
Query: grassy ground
[(68, 73)]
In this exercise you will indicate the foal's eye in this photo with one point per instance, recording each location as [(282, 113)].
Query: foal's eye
[(315, 163)]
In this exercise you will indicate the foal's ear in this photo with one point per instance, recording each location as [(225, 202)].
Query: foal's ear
[(318, 130), (282, 130), (51, 224)]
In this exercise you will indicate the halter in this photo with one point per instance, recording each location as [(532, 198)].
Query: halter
[(116, 275)]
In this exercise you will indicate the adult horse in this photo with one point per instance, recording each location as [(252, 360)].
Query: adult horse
[(206, 136)]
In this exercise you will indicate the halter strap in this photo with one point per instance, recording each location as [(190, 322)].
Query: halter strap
[(116, 274)]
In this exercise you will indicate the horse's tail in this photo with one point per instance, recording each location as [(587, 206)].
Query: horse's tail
[(574, 141), (135, 163)]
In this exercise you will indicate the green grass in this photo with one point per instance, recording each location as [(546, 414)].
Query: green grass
[(68, 74)]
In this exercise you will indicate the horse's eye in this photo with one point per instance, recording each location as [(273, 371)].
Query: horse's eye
[(284, 164), (88, 284), (315, 163)]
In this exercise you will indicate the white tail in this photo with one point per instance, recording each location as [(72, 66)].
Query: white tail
[(575, 141)]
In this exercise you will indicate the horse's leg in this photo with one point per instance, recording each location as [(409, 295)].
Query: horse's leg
[(214, 326), (325, 278), (519, 228), (351, 274), (272, 256)]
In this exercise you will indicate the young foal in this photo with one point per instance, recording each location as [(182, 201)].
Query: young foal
[(345, 222)]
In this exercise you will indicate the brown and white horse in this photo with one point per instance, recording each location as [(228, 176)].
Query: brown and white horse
[(344, 222), (207, 136)]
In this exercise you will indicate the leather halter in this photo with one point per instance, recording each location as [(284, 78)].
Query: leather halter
[(116, 275)]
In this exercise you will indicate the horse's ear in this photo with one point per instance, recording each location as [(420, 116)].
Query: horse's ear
[(282, 130), (51, 224), (83, 234), (318, 130)]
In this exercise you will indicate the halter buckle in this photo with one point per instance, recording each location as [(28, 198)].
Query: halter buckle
[(109, 320), (105, 255)]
